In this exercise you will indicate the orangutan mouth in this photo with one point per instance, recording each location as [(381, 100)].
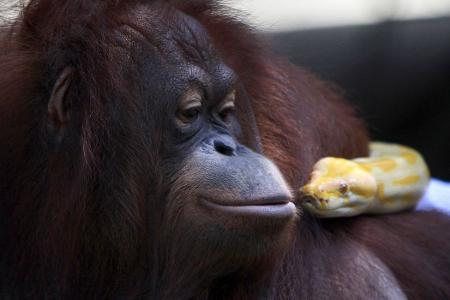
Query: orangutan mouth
[(274, 207)]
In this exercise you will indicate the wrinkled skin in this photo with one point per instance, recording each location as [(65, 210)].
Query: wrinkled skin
[(223, 195), (218, 183)]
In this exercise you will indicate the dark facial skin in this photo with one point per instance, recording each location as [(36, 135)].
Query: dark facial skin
[(216, 197)]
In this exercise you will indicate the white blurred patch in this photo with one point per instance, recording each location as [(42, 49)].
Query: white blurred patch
[(279, 15), (437, 197)]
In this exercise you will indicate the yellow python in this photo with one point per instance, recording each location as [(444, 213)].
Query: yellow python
[(393, 178)]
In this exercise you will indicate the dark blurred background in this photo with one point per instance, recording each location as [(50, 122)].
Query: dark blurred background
[(396, 73), (390, 57)]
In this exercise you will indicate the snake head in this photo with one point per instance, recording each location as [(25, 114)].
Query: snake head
[(338, 184)]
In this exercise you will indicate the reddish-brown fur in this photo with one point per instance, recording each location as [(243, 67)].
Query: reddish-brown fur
[(300, 119)]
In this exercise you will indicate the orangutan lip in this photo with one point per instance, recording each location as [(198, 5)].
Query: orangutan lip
[(275, 200), (279, 207)]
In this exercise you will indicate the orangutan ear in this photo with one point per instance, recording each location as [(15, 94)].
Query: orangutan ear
[(58, 106)]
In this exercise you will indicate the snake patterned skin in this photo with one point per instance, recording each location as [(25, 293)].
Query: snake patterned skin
[(392, 179)]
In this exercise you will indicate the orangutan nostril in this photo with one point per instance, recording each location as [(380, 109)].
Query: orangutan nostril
[(223, 148)]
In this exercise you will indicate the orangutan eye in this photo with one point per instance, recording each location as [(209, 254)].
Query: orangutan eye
[(226, 112), (189, 115), (190, 107), (227, 107)]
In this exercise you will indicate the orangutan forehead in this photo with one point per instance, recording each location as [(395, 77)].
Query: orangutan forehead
[(174, 34)]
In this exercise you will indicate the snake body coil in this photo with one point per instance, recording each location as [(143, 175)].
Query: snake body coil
[(393, 178)]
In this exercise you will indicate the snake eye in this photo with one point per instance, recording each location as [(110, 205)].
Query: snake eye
[(343, 188)]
